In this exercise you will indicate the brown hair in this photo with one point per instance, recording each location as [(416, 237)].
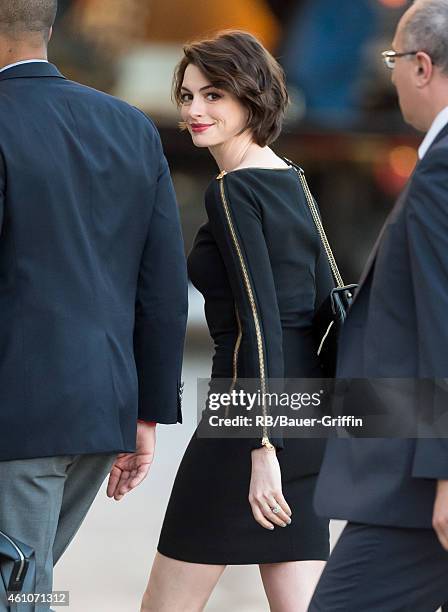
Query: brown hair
[(237, 62)]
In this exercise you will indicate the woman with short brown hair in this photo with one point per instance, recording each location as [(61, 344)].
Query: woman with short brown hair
[(260, 265), (237, 62)]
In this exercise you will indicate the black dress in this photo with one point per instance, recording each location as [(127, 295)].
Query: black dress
[(260, 265)]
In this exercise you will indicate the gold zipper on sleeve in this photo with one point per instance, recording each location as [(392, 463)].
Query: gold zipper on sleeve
[(236, 350), (261, 361)]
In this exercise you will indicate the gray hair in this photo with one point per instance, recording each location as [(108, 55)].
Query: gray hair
[(18, 17), (426, 29)]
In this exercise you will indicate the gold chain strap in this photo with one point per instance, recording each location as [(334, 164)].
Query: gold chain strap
[(320, 228)]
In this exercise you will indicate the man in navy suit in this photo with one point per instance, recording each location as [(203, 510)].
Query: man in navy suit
[(393, 553), (93, 292)]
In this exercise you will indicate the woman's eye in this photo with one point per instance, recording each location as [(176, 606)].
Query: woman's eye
[(186, 97), (212, 96)]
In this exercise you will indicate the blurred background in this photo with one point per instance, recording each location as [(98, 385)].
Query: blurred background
[(344, 128)]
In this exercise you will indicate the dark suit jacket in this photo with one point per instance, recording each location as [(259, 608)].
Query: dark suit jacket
[(93, 289), (397, 328)]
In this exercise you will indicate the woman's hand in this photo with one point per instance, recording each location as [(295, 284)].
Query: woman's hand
[(265, 491)]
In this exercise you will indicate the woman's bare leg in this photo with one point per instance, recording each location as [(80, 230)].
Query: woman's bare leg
[(290, 586), (178, 586)]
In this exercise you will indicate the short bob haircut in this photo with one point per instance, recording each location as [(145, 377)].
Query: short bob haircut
[(237, 62)]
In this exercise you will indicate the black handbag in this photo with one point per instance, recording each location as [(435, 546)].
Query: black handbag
[(17, 573), (327, 325), (330, 316)]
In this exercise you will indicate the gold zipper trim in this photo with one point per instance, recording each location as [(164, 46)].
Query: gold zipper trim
[(236, 350), (265, 439)]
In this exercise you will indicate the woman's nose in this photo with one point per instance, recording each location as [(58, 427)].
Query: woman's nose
[(196, 108)]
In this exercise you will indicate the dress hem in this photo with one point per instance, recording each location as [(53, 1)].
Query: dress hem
[(208, 561)]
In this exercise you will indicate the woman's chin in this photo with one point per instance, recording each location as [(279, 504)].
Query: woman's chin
[(201, 142), (200, 145)]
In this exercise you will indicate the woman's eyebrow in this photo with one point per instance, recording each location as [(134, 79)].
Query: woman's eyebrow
[(202, 88)]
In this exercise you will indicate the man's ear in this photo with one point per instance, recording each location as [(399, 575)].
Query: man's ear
[(50, 33), (424, 68)]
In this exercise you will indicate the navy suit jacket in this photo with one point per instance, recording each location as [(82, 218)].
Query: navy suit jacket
[(93, 283), (397, 328)]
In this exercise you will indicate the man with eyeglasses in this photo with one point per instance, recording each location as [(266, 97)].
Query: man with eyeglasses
[(393, 553)]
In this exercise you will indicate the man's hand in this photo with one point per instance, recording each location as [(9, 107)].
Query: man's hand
[(440, 515), (130, 469)]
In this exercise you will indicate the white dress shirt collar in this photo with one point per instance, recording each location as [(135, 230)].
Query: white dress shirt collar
[(437, 126), (22, 62)]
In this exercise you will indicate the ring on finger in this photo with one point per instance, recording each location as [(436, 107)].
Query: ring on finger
[(276, 509)]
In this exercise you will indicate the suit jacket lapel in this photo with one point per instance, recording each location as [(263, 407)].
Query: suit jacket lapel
[(374, 252)]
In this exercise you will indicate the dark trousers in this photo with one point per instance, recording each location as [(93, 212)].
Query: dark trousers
[(383, 569)]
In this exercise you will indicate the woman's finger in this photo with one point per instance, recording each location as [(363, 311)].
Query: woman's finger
[(283, 503), (280, 518), (259, 517)]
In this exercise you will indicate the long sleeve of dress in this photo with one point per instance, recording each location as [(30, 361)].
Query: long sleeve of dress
[(237, 226)]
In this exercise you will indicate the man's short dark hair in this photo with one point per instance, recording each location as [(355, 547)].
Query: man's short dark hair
[(237, 62), (18, 17)]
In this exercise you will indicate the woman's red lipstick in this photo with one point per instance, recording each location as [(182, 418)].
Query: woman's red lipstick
[(200, 127)]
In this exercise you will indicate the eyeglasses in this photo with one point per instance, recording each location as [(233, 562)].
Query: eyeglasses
[(389, 57)]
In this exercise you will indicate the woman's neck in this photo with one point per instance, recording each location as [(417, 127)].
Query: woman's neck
[(242, 152), (234, 152)]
